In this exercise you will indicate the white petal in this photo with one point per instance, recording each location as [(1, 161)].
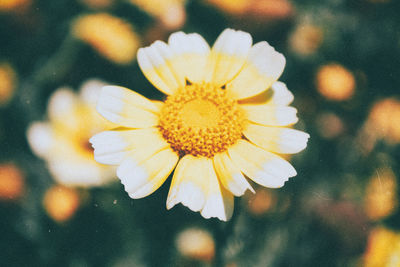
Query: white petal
[(191, 52), (228, 56), (219, 201), (155, 61), (270, 115), (112, 147), (279, 95), (261, 166), (189, 185), (263, 67), (229, 175), (40, 138), (142, 176), (276, 139), (126, 107)]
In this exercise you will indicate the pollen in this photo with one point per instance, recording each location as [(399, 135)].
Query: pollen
[(201, 120)]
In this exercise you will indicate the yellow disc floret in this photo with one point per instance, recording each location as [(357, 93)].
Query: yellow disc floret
[(201, 120)]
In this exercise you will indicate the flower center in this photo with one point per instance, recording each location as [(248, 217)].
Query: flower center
[(201, 120)]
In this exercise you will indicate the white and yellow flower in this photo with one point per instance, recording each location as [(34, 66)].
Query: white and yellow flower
[(222, 122), (63, 141)]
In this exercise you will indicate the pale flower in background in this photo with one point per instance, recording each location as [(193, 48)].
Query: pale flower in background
[(224, 119), (63, 141)]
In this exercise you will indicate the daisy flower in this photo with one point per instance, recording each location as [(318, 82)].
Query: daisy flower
[(221, 123), (63, 140)]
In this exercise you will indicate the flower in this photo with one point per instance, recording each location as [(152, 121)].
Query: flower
[(383, 248), (223, 118), (12, 182), (335, 82), (111, 36), (171, 13), (61, 202), (196, 243), (63, 141), (8, 81)]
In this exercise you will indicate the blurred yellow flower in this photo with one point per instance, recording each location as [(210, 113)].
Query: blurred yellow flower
[(381, 194), (384, 120), (8, 80), (63, 141), (262, 9), (61, 202), (7, 5), (12, 182), (196, 243), (335, 82), (383, 249), (201, 124), (112, 37), (171, 13)]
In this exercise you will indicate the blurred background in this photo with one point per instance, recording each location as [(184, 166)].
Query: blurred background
[(60, 208)]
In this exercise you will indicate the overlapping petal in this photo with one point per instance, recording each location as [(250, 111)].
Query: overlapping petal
[(277, 139), (228, 55), (126, 107), (112, 147), (263, 67), (263, 167), (190, 55), (144, 171), (229, 175)]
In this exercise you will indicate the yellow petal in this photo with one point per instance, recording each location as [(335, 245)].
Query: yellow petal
[(126, 107), (112, 147), (263, 67), (157, 63), (229, 175), (276, 139), (142, 175), (228, 56), (261, 166), (189, 184), (270, 115), (191, 52)]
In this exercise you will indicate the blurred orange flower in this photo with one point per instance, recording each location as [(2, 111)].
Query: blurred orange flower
[(112, 37), (12, 182), (8, 80), (197, 244), (61, 202), (381, 194), (335, 82), (171, 13)]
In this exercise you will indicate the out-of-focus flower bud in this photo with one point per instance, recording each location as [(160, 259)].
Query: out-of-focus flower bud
[(335, 82), (61, 202), (12, 182), (197, 244)]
